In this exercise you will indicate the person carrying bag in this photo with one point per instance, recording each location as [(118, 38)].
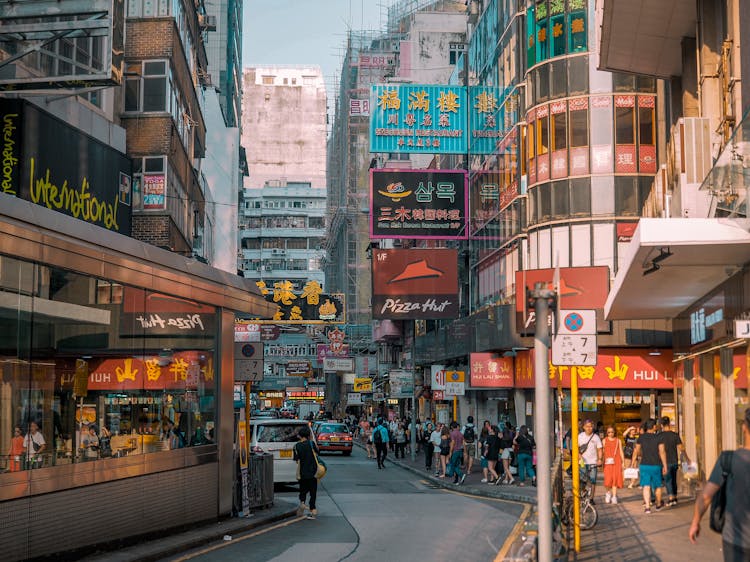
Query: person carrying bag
[(309, 470)]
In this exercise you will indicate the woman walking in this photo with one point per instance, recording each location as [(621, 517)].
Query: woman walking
[(445, 449), (307, 466), (630, 437), (483, 435), (429, 448), (493, 453), (614, 459), (400, 437), (435, 438), (506, 449), (526, 446)]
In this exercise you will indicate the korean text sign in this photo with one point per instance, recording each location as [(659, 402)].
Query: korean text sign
[(418, 204)]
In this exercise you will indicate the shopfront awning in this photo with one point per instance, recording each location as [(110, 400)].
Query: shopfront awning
[(671, 263), (645, 36)]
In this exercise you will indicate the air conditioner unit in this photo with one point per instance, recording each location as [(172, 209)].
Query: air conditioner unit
[(277, 252), (207, 23)]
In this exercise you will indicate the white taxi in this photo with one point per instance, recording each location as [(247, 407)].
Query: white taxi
[(277, 436)]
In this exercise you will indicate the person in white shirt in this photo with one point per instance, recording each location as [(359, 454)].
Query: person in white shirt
[(35, 445), (590, 447), (435, 438)]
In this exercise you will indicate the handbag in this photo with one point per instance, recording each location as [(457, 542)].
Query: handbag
[(719, 500), (320, 472), (631, 473), (611, 460), (583, 448)]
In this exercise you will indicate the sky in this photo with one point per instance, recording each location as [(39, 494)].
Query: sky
[(306, 32)]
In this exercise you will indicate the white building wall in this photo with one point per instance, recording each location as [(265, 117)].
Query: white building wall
[(284, 124)]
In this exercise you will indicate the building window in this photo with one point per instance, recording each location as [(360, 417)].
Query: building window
[(150, 183), (147, 90), (268, 80)]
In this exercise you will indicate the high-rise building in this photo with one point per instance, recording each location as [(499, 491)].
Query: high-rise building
[(223, 19)]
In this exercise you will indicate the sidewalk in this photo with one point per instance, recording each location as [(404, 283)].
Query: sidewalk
[(623, 532), (171, 544)]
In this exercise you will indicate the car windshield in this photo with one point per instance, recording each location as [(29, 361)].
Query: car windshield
[(333, 428), (278, 433)]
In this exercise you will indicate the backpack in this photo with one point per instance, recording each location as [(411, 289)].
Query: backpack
[(719, 501), (377, 436), (469, 434)]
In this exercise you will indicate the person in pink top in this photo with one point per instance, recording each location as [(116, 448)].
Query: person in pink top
[(456, 455)]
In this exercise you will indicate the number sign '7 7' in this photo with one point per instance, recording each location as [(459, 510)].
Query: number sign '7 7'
[(574, 350)]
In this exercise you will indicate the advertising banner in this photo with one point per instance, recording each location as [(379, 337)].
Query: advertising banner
[(486, 119), (246, 332), (354, 398), (50, 163), (580, 288), (490, 371), (156, 314), (418, 118), (414, 284), (419, 204), (437, 377), (324, 350), (333, 364), (616, 368), (402, 384), (363, 384)]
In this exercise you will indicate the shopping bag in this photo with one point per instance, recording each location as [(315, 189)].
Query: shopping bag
[(631, 474)]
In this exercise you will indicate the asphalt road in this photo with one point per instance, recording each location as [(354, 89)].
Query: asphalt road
[(369, 514)]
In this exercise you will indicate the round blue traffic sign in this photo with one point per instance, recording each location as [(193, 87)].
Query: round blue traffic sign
[(573, 321)]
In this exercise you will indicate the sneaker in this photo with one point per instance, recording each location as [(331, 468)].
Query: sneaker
[(608, 497), (658, 506), (301, 509), (484, 481), (614, 499), (646, 510), (312, 515), (462, 480)]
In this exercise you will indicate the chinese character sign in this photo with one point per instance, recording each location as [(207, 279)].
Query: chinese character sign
[(418, 204), (308, 305), (485, 119), (490, 371), (425, 119)]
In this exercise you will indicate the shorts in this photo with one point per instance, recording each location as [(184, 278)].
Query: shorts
[(591, 471), (470, 449), (651, 475), (483, 463), (506, 453)]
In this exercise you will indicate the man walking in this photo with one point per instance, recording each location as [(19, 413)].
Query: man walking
[(652, 456), (736, 532), (590, 448), (456, 455), (469, 433), (674, 448), (380, 439)]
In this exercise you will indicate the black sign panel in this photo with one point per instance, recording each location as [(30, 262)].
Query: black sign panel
[(418, 204), (50, 163)]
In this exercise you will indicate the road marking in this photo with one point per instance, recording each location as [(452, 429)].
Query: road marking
[(513, 534), (242, 538)]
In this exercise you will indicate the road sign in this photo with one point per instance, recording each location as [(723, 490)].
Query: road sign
[(577, 322), (354, 398), (454, 389), (455, 376), (574, 350), (437, 377)]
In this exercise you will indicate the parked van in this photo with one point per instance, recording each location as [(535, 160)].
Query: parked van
[(277, 436)]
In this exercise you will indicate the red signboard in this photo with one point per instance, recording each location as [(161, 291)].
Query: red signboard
[(414, 284), (487, 370), (601, 159), (542, 168), (647, 158), (625, 231), (616, 368), (625, 159), (579, 161), (559, 164), (580, 288), (180, 370)]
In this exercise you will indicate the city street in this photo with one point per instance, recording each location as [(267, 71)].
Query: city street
[(370, 514)]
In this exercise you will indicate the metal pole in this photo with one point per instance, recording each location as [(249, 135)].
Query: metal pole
[(574, 461), (543, 420), (413, 425)]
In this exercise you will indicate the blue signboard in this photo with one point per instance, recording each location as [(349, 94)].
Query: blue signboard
[(486, 119), (428, 119)]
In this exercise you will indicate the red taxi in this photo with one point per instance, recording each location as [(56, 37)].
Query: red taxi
[(331, 436)]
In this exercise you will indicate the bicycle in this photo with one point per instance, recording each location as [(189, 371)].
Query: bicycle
[(589, 514)]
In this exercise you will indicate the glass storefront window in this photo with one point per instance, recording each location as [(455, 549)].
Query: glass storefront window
[(559, 122), (625, 125), (578, 75), (577, 28), (626, 196), (579, 128), (542, 135), (93, 369), (646, 129), (560, 200), (580, 197), (559, 79)]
